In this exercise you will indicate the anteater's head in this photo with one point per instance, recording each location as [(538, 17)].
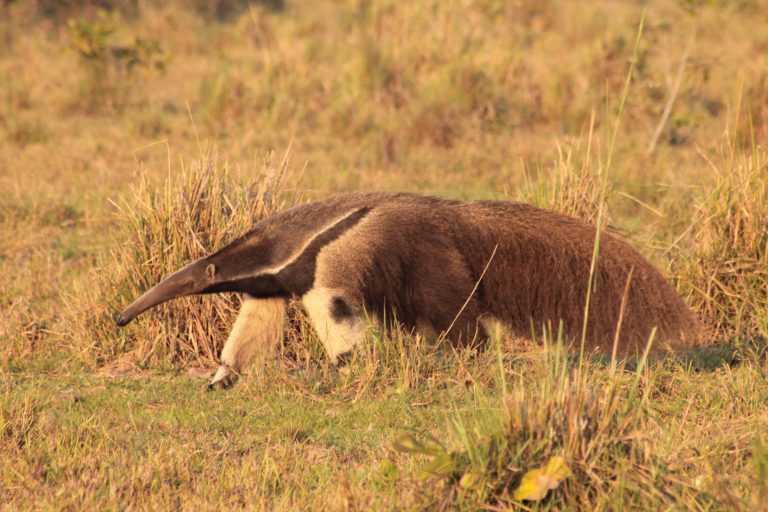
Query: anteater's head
[(277, 258), (231, 269)]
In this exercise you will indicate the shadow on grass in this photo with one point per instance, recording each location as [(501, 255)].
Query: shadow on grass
[(729, 353)]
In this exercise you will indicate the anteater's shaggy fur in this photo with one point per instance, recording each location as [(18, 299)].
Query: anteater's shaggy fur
[(438, 265)]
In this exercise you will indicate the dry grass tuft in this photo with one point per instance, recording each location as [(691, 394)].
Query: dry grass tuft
[(723, 268), (196, 212), (598, 422), (436, 97), (577, 189), (19, 418)]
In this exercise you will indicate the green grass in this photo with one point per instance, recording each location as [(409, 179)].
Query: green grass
[(309, 437), (100, 171)]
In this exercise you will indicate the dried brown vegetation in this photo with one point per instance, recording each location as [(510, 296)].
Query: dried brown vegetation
[(161, 230), (464, 99), (722, 262)]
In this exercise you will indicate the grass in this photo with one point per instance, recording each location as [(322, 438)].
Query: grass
[(109, 184), (196, 213), (724, 267)]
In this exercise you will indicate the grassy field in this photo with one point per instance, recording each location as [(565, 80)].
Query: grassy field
[(135, 139)]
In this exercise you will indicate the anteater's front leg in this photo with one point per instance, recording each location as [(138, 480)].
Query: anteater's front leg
[(335, 319), (254, 336)]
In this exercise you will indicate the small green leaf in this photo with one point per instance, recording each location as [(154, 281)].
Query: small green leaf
[(470, 480), (557, 469), (538, 482)]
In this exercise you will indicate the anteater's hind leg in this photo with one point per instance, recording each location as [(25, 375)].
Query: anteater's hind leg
[(448, 300), (335, 320), (465, 330), (255, 334), (455, 314)]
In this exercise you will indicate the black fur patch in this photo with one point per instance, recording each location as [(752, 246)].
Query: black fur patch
[(261, 287), (340, 310), (343, 359), (299, 276)]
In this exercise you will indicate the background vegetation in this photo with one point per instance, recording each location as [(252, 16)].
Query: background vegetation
[(136, 135)]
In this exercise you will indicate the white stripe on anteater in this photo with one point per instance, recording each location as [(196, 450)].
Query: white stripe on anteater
[(294, 257)]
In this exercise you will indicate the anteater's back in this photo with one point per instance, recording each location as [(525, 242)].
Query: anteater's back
[(541, 272)]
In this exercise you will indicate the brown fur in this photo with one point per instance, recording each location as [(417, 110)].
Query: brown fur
[(419, 258)]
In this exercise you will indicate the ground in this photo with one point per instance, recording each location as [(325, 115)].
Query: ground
[(651, 118)]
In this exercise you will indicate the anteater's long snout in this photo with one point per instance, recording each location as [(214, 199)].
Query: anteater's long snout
[(190, 280)]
